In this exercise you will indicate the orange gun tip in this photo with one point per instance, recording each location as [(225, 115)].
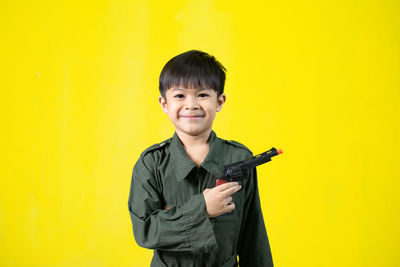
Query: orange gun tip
[(280, 151)]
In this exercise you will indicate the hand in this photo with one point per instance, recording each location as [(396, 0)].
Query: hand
[(219, 200)]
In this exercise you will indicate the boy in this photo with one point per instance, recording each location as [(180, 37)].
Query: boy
[(175, 207)]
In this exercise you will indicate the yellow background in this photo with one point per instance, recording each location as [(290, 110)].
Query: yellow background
[(79, 88)]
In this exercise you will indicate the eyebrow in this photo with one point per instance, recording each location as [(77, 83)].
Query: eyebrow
[(182, 89)]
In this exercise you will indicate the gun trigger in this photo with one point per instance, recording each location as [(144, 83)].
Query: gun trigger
[(241, 184)]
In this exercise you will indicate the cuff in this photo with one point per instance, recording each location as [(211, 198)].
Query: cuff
[(197, 226)]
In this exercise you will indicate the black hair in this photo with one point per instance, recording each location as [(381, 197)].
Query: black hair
[(195, 69)]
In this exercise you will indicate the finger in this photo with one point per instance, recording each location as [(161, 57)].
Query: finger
[(227, 200), (225, 186), (230, 207), (230, 191)]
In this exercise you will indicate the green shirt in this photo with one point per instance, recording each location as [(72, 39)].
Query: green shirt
[(183, 234)]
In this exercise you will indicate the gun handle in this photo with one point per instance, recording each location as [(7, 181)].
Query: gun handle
[(219, 182)]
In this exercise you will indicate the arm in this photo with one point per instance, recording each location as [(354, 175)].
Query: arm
[(253, 246), (186, 228)]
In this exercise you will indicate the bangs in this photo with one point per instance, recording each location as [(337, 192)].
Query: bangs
[(193, 69)]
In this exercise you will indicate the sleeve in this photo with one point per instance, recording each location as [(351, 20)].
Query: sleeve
[(253, 245), (181, 229)]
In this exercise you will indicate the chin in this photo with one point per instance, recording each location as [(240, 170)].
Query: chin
[(193, 132)]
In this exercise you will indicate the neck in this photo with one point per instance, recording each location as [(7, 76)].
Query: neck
[(193, 140)]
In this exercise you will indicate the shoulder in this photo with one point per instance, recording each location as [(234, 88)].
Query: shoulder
[(236, 146), (155, 148), (148, 159)]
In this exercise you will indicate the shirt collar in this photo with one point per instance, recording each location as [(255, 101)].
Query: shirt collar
[(183, 165)]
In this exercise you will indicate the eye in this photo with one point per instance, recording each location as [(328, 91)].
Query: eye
[(179, 96), (203, 95)]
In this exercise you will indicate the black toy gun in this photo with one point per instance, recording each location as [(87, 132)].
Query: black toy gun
[(239, 171)]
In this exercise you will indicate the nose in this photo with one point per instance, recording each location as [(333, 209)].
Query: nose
[(191, 103)]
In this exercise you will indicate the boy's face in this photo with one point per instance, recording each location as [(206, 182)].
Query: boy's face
[(191, 110)]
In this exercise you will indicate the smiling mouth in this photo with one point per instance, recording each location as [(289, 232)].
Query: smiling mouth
[(192, 117)]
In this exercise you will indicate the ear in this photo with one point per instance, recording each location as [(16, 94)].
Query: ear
[(220, 102), (163, 104)]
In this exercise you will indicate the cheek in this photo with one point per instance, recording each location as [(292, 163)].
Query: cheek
[(212, 115), (212, 109), (173, 112)]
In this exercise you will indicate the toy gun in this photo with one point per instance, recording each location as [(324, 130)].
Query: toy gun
[(240, 170)]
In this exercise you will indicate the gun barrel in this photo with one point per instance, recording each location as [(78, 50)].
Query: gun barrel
[(238, 170), (262, 158)]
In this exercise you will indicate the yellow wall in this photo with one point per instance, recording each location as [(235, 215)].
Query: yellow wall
[(79, 88)]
